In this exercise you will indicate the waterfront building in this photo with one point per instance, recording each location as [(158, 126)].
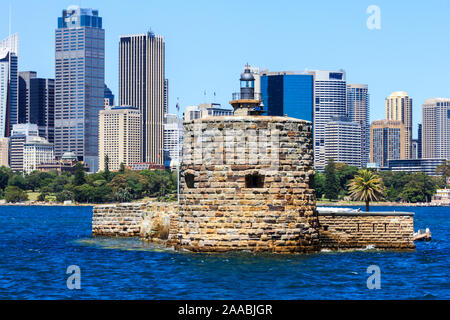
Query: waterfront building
[(386, 141), (141, 84), (399, 108), (436, 128), (79, 83), (37, 103), (109, 98), (9, 84), (146, 166), (441, 197), (343, 141), (330, 92), (120, 137), (427, 166), (4, 152), (288, 93), (204, 110), (20, 134), (173, 137), (358, 111), (36, 150)]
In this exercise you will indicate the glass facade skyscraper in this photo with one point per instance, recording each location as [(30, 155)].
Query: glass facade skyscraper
[(79, 83), (288, 94), (358, 111), (9, 84)]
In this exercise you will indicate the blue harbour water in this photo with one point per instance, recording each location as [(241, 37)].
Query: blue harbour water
[(37, 244)]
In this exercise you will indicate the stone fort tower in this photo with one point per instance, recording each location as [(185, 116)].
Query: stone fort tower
[(247, 181)]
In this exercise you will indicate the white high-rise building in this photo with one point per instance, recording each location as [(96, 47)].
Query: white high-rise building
[(9, 84), (36, 151), (343, 141), (173, 136), (4, 152), (330, 101), (436, 128), (205, 110)]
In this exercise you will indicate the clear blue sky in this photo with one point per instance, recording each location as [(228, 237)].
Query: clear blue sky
[(209, 41)]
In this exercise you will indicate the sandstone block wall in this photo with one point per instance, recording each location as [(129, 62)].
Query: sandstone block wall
[(118, 220), (246, 184), (383, 230)]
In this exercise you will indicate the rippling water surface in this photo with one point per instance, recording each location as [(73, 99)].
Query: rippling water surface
[(37, 244)]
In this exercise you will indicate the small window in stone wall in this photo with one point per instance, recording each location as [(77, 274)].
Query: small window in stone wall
[(254, 180), (189, 178)]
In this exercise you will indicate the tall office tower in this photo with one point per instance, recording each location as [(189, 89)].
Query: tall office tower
[(36, 151), (9, 84), (419, 141), (141, 84), (358, 111), (330, 101), (204, 110), (24, 95), (173, 136), (166, 96), (387, 138), (399, 108), (109, 98), (79, 83), (20, 134), (4, 152), (436, 128), (288, 93), (120, 137), (37, 103), (343, 141)]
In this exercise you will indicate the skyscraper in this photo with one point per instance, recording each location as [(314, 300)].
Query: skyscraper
[(436, 128), (330, 101), (386, 141), (358, 111), (173, 135), (141, 84), (9, 84), (79, 83), (24, 95), (120, 137), (399, 108), (343, 141), (419, 141), (166, 96), (37, 103), (288, 93)]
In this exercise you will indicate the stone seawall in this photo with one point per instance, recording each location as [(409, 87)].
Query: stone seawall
[(382, 230), (159, 223)]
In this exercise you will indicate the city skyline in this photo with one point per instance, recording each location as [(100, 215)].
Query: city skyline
[(385, 63)]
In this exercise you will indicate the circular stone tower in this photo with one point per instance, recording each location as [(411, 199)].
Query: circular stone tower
[(247, 181)]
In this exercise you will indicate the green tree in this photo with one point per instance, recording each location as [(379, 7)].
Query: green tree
[(319, 184), (79, 177), (419, 188), (106, 172), (65, 195), (17, 180), (366, 186), (444, 170), (121, 168), (5, 173), (15, 194), (331, 183)]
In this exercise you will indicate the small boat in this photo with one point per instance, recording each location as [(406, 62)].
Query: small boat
[(422, 235)]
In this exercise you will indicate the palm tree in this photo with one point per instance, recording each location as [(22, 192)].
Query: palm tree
[(366, 186)]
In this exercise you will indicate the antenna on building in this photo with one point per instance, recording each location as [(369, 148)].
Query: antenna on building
[(10, 14)]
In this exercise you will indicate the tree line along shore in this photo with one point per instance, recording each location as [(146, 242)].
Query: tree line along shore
[(332, 186)]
